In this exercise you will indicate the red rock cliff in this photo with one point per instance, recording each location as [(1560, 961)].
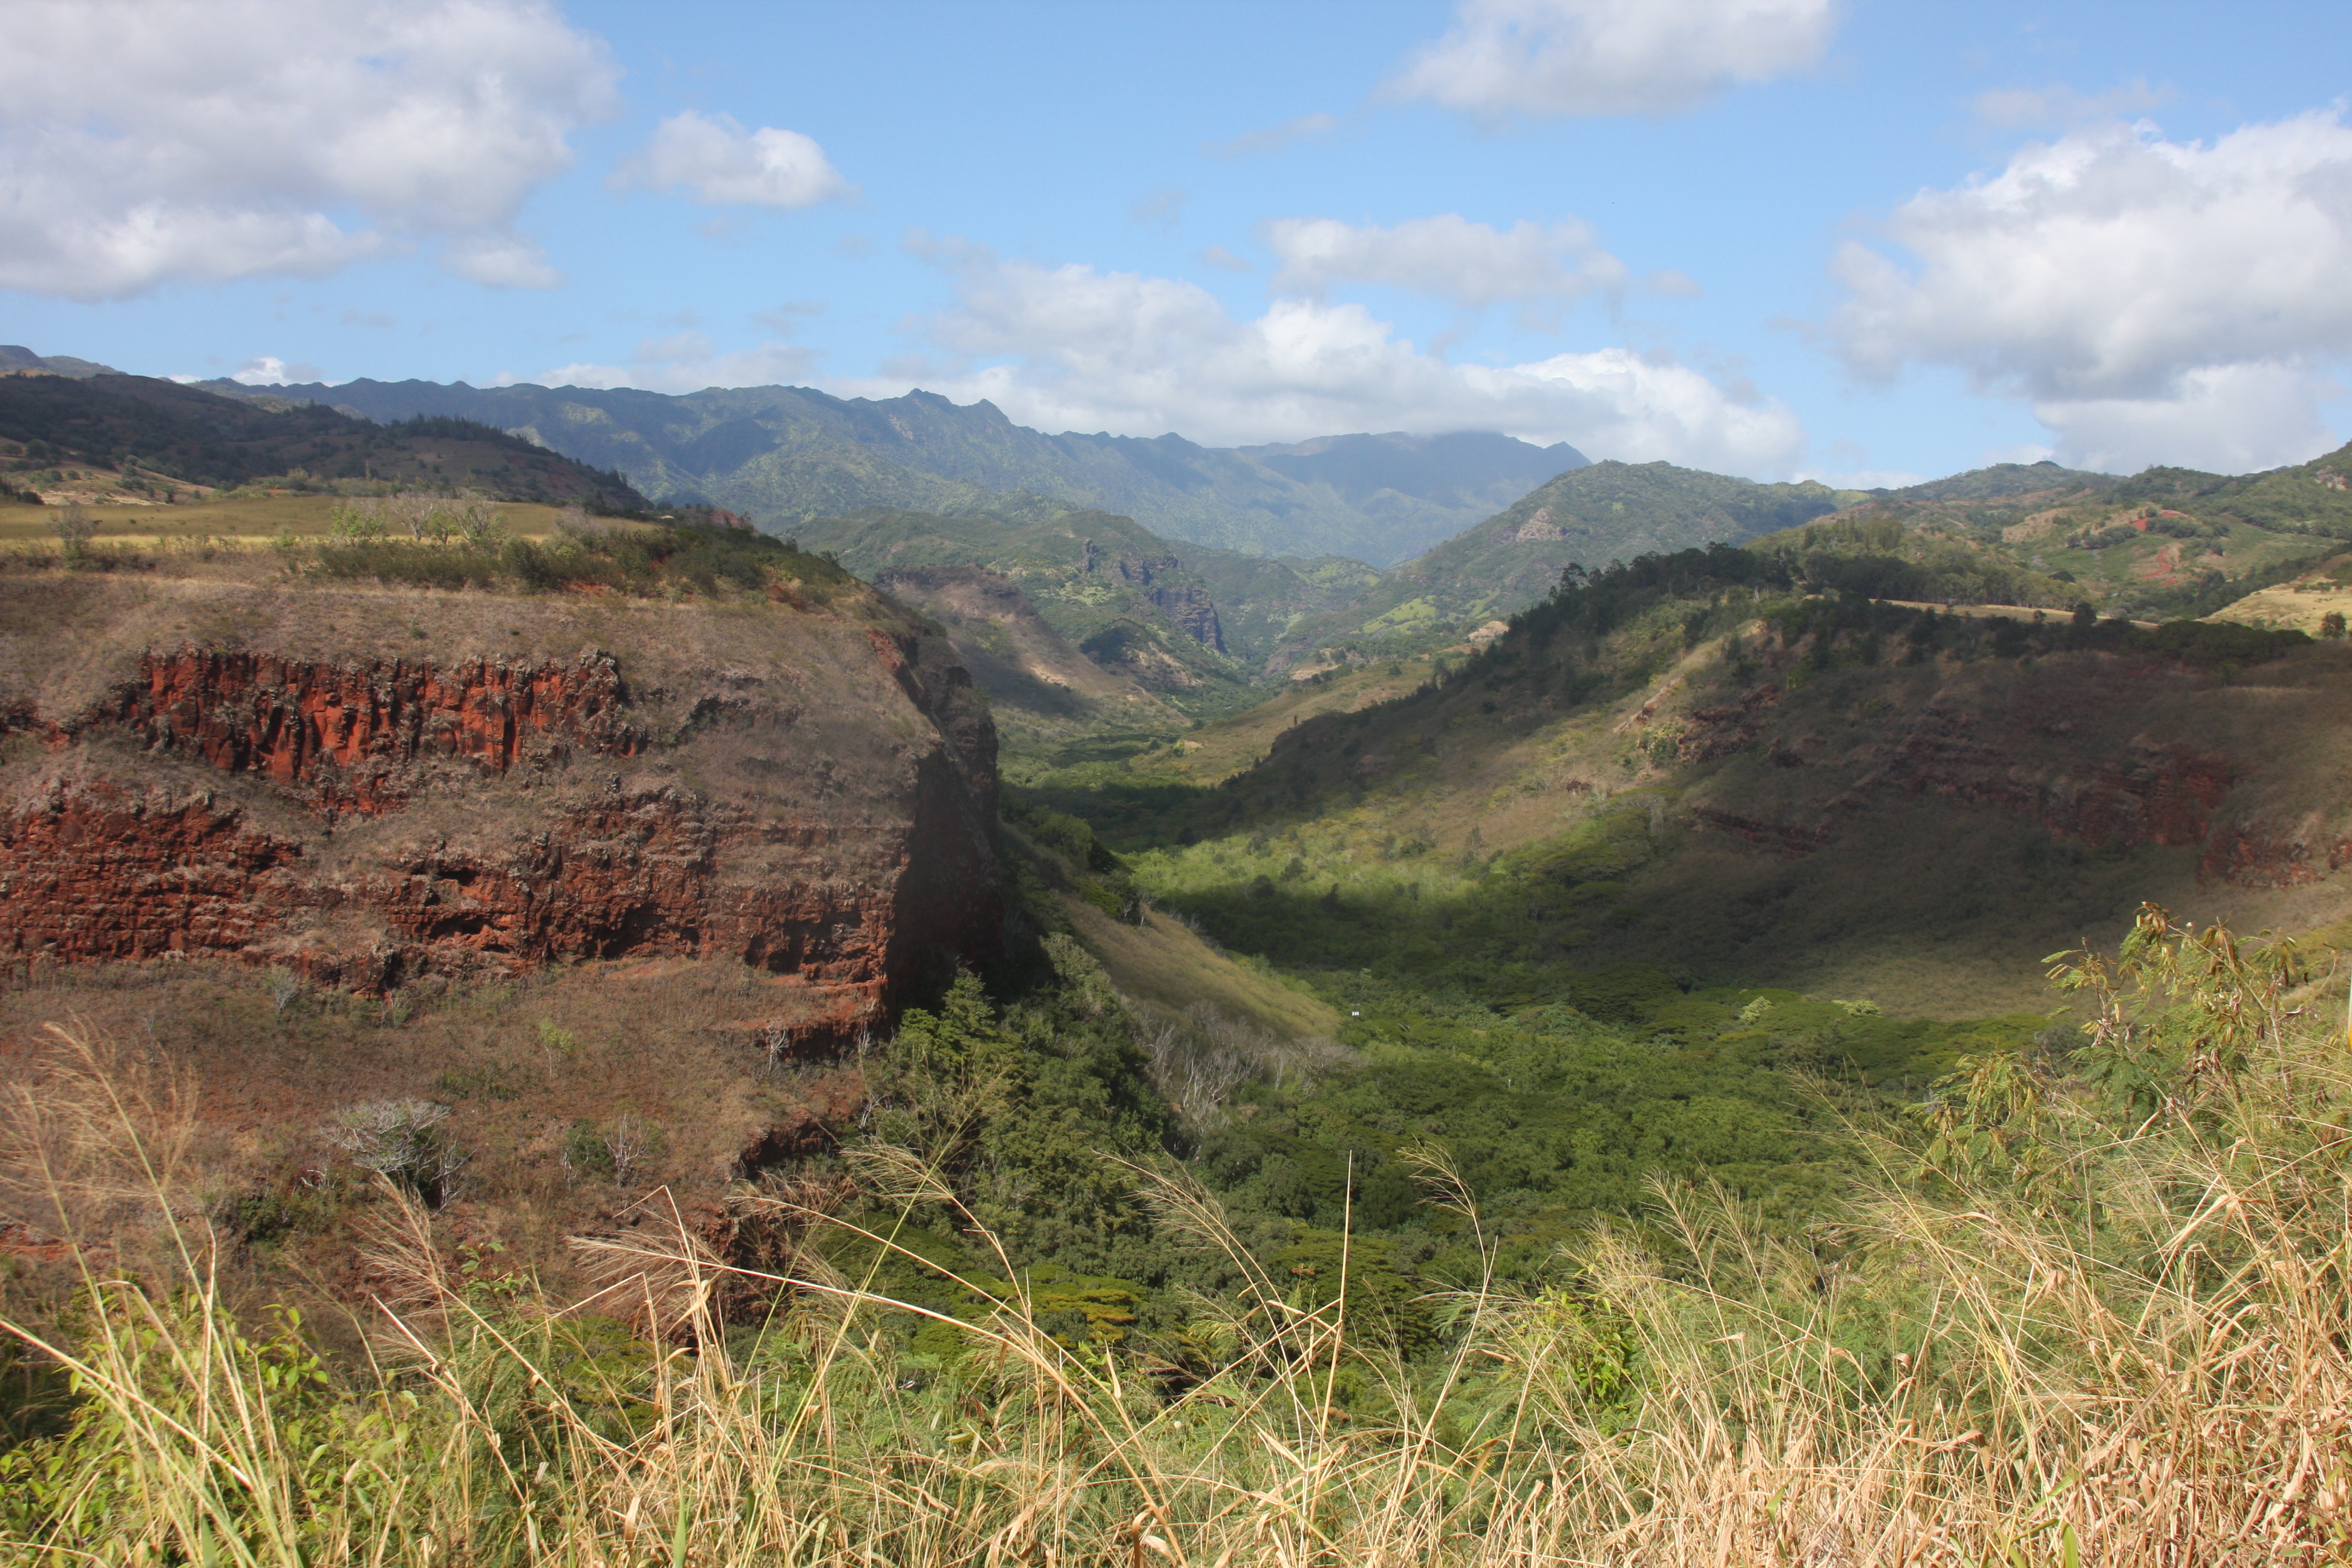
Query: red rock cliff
[(363, 820)]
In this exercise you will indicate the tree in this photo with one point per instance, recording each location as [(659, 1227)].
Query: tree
[(75, 528)]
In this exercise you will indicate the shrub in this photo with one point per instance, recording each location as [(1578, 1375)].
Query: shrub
[(401, 1141), (74, 528)]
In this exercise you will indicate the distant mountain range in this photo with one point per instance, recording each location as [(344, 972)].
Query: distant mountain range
[(13, 356), (105, 437), (785, 455)]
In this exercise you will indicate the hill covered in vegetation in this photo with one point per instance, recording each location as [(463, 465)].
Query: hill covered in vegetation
[(2162, 544), (1588, 516), (104, 437), (1705, 758)]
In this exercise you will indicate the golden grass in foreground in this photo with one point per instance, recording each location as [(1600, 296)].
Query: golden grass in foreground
[(2063, 1324)]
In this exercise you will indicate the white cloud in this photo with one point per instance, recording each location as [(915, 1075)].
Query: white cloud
[(1069, 348), (1224, 260), (786, 320), (2126, 283), (1163, 209), (1611, 56), (2021, 108), (725, 164), (144, 142), (500, 261), (1274, 137), (1447, 256), (686, 362), (2225, 420), (269, 370)]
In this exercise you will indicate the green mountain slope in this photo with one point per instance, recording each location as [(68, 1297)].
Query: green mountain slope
[(1224, 602), (1042, 690), (784, 455), (1703, 762), (1589, 516), (133, 425), (2165, 543), (15, 356), (1108, 586), (2005, 482)]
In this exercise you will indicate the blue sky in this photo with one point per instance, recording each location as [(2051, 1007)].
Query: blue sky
[(1766, 236)]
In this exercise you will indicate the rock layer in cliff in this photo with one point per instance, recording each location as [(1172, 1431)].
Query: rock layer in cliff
[(366, 783)]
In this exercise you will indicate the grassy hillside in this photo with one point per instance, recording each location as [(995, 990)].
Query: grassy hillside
[(891, 1375), (2163, 544), (251, 517), (786, 456), (1694, 764)]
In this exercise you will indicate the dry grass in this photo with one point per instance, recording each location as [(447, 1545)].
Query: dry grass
[(2088, 1339), (249, 1093), (241, 519)]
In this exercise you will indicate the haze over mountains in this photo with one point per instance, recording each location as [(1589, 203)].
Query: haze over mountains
[(784, 455)]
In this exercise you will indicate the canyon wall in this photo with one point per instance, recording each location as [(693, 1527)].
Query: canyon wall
[(2105, 752), (809, 792)]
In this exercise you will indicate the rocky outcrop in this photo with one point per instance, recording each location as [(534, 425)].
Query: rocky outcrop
[(2048, 749), (376, 818), (91, 869), (2160, 794), (346, 735), (1178, 595), (1788, 838), (1717, 732)]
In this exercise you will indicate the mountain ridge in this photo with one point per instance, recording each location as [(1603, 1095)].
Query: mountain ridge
[(784, 455)]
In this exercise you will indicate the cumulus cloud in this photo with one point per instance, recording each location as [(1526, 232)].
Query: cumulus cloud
[(1449, 257), (786, 320), (686, 362), (2127, 283), (500, 261), (269, 370), (145, 141), (1069, 348), (1611, 56), (2225, 420), (725, 166)]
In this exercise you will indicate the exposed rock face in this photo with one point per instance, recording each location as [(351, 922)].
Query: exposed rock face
[(346, 735), (368, 820), (2052, 747), (2161, 795), (1185, 603), (97, 869)]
